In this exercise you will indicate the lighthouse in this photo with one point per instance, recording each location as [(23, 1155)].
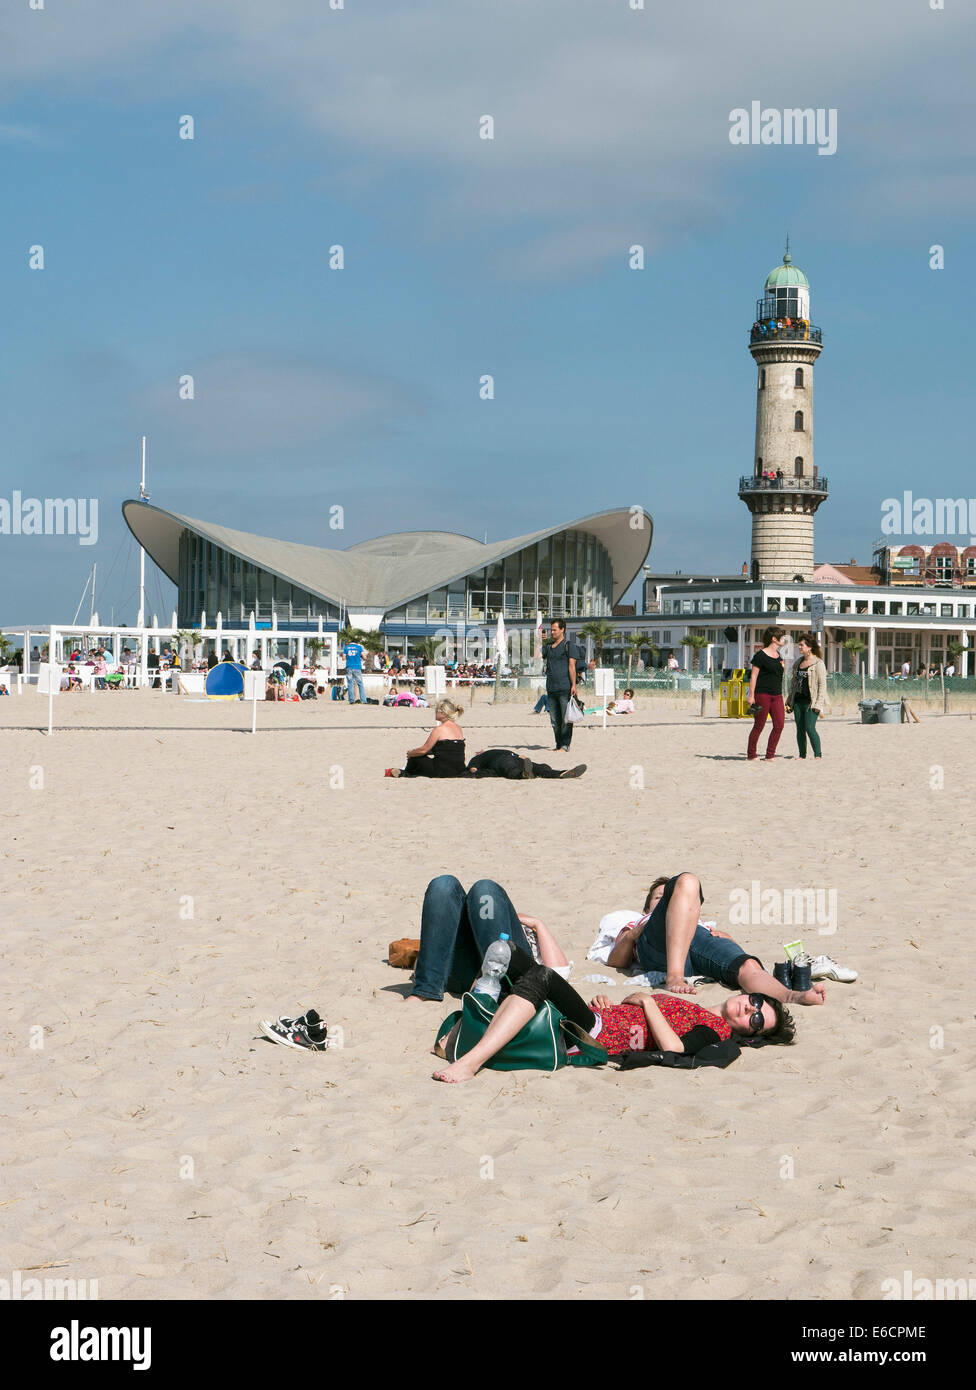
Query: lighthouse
[(784, 489)]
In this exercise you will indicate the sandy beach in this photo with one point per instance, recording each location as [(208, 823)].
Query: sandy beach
[(168, 880)]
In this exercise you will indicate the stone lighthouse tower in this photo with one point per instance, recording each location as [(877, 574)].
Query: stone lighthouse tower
[(783, 491)]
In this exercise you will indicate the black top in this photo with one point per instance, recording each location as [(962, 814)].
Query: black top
[(449, 753), (801, 693), (770, 680), (557, 668)]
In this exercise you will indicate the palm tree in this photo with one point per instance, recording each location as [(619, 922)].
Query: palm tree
[(954, 647), (635, 646), (697, 641), (600, 632), (432, 650), (6, 650), (855, 646)]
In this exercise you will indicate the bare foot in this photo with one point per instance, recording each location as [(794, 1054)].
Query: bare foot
[(678, 985), (457, 1071)]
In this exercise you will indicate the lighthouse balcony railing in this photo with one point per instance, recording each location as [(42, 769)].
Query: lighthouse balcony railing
[(775, 331), (788, 483)]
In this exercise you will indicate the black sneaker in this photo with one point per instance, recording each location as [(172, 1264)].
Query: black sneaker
[(527, 772), (574, 771), (308, 1031)]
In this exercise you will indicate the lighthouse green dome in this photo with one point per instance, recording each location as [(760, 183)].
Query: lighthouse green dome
[(786, 275)]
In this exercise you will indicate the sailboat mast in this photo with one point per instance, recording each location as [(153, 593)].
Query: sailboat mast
[(142, 553)]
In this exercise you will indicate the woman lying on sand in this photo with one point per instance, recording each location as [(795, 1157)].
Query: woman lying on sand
[(457, 927), (642, 1021)]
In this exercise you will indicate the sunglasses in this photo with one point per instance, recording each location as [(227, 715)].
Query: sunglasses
[(756, 1020)]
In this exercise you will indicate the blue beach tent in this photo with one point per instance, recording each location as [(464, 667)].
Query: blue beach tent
[(225, 681)]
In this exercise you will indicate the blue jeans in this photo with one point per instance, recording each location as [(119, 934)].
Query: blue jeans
[(561, 731), (356, 676), (707, 954), (542, 704), (456, 929)]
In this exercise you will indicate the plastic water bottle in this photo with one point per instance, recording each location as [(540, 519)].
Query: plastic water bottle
[(493, 967)]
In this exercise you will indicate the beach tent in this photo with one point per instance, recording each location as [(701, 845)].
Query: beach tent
[(225, 681)]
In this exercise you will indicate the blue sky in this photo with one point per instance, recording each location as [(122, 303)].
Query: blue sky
[(463, 256)]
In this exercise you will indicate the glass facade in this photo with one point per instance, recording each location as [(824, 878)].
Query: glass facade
[(566, 576), (212, 580)]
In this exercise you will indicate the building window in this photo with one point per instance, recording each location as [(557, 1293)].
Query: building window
[(945, 610), (762, 378), (877, 607), (758, 468), (798, 420), (894, 609), (798, 377), (798, 466)]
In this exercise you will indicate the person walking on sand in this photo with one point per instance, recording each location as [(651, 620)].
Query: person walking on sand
[(560, 682), (443, 753), (807, 694), (766, 692)]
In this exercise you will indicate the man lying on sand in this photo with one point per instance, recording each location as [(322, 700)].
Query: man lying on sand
[(670, 938)]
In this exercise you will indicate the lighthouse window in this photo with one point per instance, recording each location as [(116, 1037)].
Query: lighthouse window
[(798, 420), (762, 379), (798, 377), (798, 466), (786, 303)]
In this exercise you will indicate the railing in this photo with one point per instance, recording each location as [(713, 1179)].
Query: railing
[(789, 483), (796, 333)]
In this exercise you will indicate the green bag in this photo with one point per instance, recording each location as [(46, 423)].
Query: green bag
[(542, 1045)]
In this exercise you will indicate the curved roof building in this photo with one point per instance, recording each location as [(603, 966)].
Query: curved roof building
[(415, 578)]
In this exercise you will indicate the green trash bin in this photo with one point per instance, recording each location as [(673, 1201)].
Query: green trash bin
[(870, 710)]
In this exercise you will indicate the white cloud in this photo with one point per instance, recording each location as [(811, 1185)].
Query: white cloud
[(606, 118), (245, 405)]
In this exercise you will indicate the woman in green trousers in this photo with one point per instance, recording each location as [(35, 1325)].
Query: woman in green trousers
[(807, 694)]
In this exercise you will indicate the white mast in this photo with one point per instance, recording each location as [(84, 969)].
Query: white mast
[(91, 607), (143, 497)]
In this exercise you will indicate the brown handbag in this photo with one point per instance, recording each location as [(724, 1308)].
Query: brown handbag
[(403, 953)]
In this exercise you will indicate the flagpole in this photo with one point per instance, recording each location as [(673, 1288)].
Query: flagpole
[(143, 496)]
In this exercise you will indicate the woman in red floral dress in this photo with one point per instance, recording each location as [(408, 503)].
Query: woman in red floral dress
[(643, 1021)]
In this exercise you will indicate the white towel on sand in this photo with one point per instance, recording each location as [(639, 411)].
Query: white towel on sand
[(610, 928)]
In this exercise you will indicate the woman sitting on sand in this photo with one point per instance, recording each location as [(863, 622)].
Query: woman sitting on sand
[(642, 1021), (443, 753)]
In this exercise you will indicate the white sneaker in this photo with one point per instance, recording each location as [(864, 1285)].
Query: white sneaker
[(825, 968)]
